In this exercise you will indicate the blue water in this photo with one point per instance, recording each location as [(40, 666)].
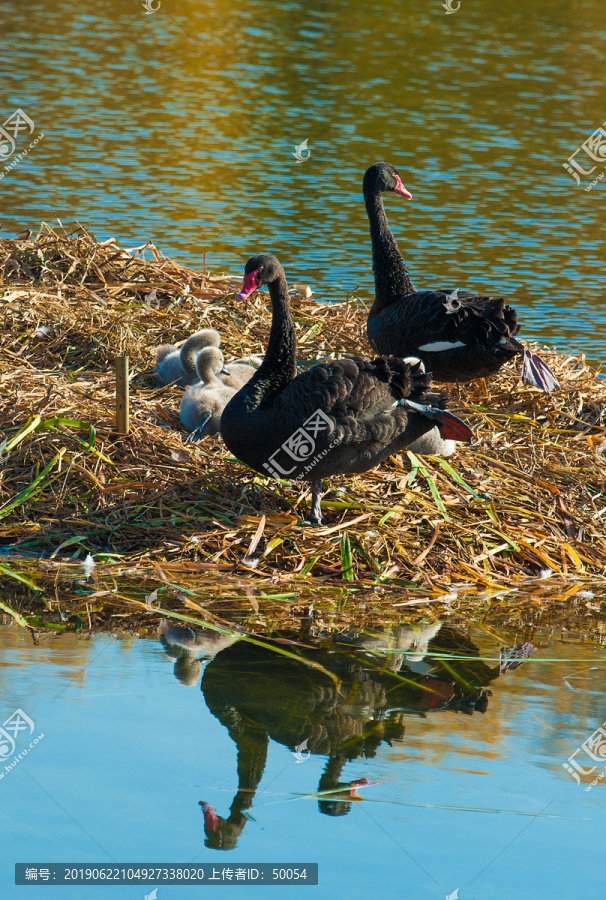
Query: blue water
[(180, 126), (129, 751)]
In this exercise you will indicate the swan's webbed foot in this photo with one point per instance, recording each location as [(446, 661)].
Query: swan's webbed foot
[(198, 433), (196, 436), (537, 373)]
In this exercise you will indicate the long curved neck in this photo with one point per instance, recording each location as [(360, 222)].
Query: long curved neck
[(279, 367), (208, 375), (392, 280), (188, 358)]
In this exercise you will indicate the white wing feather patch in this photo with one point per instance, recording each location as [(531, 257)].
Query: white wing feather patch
[(414, 361), (437, 346)]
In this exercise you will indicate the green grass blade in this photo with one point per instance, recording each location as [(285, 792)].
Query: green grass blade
[(13, 612), (309, 566), (71, 423), (33, 488), (20, 578), (456, 477), (30, 426), (346, 559), (431, 484)]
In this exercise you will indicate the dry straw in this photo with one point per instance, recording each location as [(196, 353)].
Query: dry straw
[(526, 501)]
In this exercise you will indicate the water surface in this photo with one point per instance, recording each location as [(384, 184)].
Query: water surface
[(180, 126), (471, 791)]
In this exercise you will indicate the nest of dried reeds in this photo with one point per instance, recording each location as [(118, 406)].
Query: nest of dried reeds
[(527, 499)]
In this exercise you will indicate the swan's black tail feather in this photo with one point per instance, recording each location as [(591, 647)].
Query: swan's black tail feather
[(537, 373), (406, 378)]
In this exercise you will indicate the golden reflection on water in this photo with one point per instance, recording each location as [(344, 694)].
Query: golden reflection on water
[(180, 126)]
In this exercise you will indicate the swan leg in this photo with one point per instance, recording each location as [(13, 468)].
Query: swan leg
[(315, 516), (198, 433)]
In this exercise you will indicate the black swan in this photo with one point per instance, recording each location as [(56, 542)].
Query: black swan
[(204, 402), (178, 364), (340, 416), (380, 688), (458, 335)]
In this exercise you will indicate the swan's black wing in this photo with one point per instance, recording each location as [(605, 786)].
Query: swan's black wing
[(427, 317), (340, 416), (458, 335)]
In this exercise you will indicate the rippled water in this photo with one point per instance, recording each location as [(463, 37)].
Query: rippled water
[(180, 126), (467, 788)]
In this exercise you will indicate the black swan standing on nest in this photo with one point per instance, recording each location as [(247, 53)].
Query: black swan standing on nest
[(340, 416), (457, 335)]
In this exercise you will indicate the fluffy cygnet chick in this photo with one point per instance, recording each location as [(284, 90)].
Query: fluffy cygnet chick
[(204, 402), (433, 443), (178, 364), (242, 370), (240, 373), (254, 361)]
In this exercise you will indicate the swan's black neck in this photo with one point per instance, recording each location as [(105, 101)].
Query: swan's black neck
[(279, 366), (392, 280)]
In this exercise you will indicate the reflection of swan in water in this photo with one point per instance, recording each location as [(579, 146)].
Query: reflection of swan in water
[(403, 642), (259, 695), (190, 648)]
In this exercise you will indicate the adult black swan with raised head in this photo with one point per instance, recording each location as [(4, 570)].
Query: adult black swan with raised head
[(341, 416), (457, 334)]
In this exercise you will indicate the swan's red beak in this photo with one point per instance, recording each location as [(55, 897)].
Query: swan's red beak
[(211, 819), (249, 286), (400, 189)]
